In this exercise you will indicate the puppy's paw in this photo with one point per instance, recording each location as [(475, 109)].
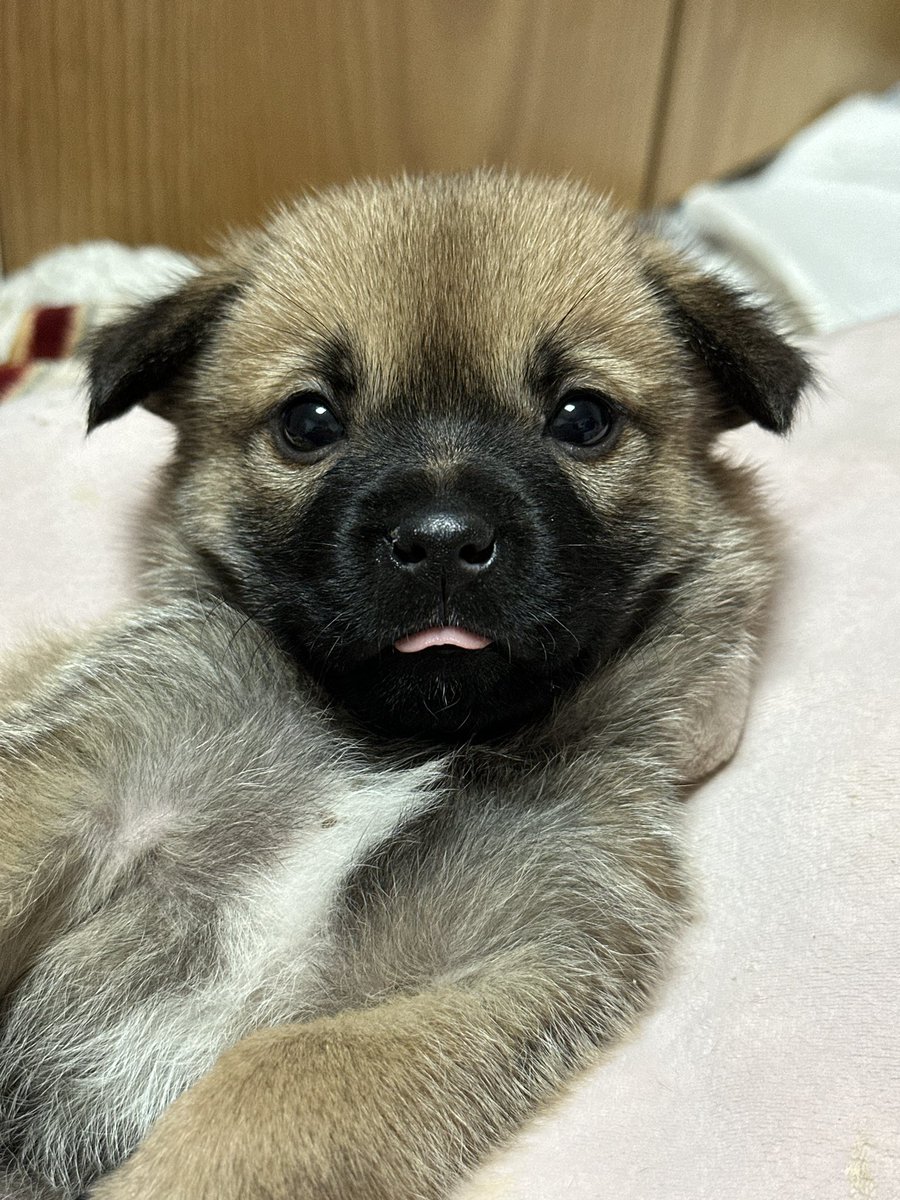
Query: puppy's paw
[(282, 1116)]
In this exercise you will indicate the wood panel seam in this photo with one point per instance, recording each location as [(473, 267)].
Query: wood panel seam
[(663, 98)]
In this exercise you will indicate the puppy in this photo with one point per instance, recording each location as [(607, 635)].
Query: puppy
[(325, 868)]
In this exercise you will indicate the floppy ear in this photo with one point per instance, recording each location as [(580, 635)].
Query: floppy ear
[(149, 349), (757, 375)]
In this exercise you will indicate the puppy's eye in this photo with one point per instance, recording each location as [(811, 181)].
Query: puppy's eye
[(583, 420), (307, 423)]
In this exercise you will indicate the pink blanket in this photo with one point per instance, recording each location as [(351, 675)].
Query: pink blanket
[(770, 1069)]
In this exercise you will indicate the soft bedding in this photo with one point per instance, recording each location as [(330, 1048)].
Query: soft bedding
[(771, 1064)]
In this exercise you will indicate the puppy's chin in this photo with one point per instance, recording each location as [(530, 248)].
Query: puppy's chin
[(447, 695)]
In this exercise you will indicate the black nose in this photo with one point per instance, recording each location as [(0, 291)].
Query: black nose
[(457, 545)]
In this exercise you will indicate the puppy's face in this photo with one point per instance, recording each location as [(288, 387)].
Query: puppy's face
[(445, 438)]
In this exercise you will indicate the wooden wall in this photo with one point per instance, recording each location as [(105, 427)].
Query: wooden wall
[(748, 74), (167, 120)]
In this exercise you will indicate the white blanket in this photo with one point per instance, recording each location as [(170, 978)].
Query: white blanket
[(818, 229)]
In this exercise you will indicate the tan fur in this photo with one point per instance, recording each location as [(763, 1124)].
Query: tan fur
[(529, 921)]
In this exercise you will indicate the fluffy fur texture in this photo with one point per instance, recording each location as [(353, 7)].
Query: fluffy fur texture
[(284, 914)]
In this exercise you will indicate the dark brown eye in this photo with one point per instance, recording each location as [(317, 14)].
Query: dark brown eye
[(584, 419), (308, 424)]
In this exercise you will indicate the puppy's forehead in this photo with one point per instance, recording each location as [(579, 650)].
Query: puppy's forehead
[(475, 275)]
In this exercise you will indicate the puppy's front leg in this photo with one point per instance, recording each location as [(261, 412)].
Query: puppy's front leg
[(398, 1100), (394, 1103)]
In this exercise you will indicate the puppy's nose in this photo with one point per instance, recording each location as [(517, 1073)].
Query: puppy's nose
[(459, 545)]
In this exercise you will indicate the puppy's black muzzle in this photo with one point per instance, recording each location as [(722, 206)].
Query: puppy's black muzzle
[(456, 546), (472, 525)]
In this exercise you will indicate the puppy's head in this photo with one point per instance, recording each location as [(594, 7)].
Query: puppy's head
[(445, 438)]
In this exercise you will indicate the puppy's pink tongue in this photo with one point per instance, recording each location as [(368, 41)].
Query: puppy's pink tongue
[(441, 635)]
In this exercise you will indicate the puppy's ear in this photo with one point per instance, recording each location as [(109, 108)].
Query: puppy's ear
[(142, 355), (757, 375)]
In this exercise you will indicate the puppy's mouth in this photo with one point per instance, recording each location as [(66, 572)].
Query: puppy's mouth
[(449, 638)]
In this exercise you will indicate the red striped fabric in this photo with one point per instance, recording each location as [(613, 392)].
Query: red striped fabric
[(9, 377), (51, 334), (45, 334)]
